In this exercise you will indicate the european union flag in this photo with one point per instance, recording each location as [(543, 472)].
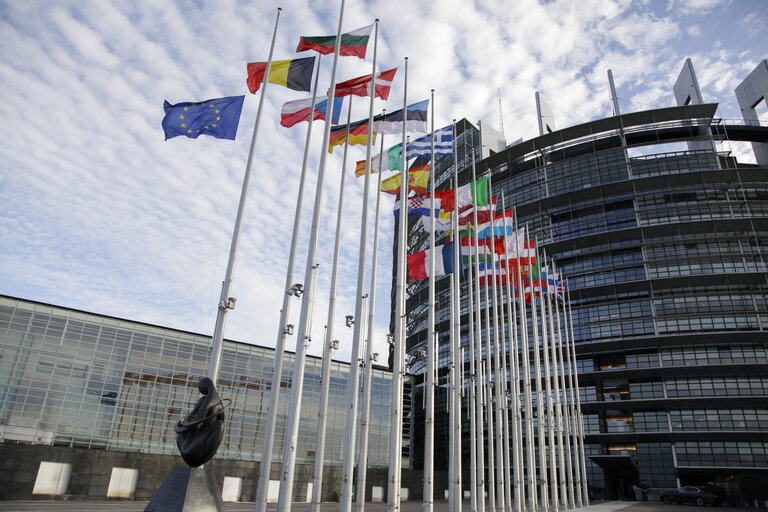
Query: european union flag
[(218, 118)]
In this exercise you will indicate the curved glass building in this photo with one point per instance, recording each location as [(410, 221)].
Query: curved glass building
[(663, 237)]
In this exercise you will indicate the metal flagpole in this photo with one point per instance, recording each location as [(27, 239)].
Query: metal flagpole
[(396, 424), (488, 385), (475, 500), (566, 412), (283, 329), (350, 432), (556, 372), (362, 464), (459, 369), (515, 434), (455, 390), (303, 337), (450, 402), (547, 404), (527, 392), (429, 387), (479, 364), (580, 422), (225, 301), (574, 427), (329, 343), (498, 379)]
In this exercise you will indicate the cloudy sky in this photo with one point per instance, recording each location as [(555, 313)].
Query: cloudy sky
[(98, 212)]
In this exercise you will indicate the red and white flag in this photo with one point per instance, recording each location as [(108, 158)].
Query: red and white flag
[(361, 86)]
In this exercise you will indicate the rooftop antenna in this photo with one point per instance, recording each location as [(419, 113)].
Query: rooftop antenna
[(501, 117)]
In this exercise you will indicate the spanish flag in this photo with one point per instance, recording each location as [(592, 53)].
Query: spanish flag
[(358, 134), (418, 181), (294, 74)]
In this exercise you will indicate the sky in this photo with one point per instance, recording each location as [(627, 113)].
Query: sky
[(99, 213)]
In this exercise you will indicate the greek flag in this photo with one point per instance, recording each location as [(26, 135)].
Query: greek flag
[(422, 147)]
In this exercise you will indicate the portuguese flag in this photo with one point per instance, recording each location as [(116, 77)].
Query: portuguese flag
[(352, 43), (294, 74)]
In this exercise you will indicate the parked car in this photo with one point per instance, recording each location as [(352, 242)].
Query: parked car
[(691, 494)]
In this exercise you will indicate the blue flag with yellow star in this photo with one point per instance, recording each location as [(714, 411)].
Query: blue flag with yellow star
[(218, 118)]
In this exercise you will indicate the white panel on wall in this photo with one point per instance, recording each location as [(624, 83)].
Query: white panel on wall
[(122, 483), (403, 494), (231, 489), (273, 491), (52, 478), (377, 493)]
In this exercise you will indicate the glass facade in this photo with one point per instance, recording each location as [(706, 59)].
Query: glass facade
[(666, 256), (70, 378)]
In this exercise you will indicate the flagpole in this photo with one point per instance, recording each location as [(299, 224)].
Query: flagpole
[(303, 338), (527, 392), (479, 363), (516, 434), (580, 422), (556, 372), (269, 433), (473, 398), (574, 427), (488, 368), (328, 342), (350, 432), (225, 301), (550, 430), (362, 465), (458, 371), (429, 389), (566, 412), (499, 456), (396, 423)]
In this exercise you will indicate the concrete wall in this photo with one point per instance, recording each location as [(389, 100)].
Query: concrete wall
[(91, 470)]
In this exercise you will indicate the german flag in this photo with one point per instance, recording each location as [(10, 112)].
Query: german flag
[(294, 74), (358, 134)]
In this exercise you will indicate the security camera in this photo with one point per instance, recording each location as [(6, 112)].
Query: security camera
[(350, 320), (297, 289), (335, 345), (288, 329)]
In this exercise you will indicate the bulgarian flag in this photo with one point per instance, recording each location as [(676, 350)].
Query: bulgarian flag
[(353, 43)]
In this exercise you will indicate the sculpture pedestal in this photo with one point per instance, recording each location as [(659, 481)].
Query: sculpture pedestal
[(187, 489)]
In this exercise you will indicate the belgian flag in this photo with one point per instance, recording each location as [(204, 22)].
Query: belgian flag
[(294, 74)]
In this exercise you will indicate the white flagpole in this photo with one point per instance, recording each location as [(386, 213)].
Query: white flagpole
[(566, 412), (516, 431), (488, 385), (556, 373), (498, 379), (328, 342), (396, 423), (225, 301), (479, 362), (574, 426), (475, 500), (429, 387), (305, 319), (362, 464), (459, 370), (579, 420), (548, 406), (350, 432)]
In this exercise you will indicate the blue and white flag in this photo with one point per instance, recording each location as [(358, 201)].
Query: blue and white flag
[(422, 147)]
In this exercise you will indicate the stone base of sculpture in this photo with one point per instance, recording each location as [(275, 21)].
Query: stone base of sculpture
[(187, 490)]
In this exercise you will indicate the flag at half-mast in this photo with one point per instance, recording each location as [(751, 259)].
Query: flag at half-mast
[(217, 117), (391, 161), (418, 181), (294, 74), (361, 86), (418, 268), (297, 111), (393, 122), (353, 44)]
